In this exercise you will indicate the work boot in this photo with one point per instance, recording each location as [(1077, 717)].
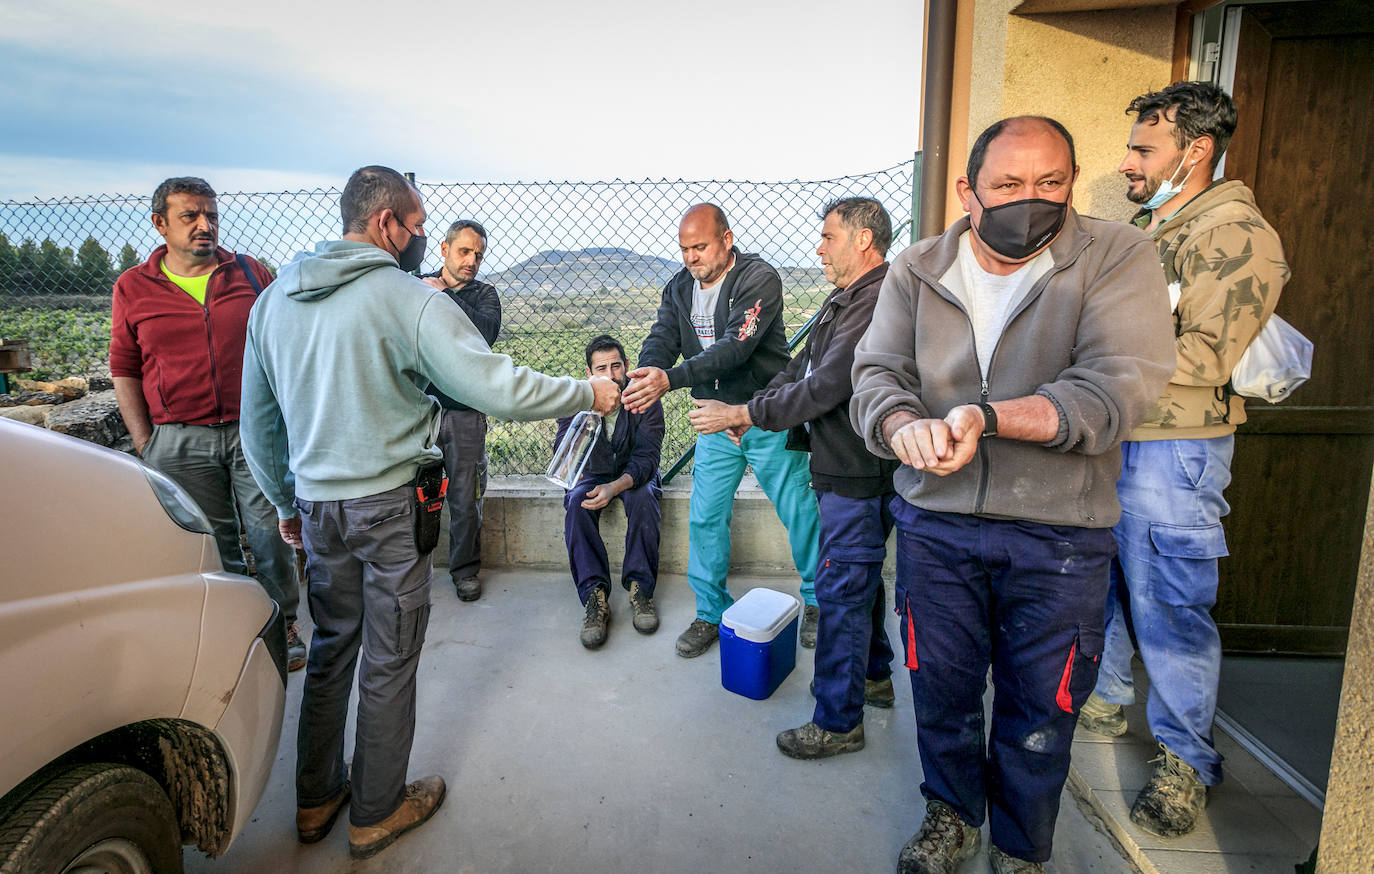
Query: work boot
[(697, 638), (1001, 863), (295, 649), (813, 742), (313, 823), (645, 616), (811, 617), (597, 619), (877, 693), (1102, 717), (469, 588), (1169, 804), (943, 842), (423, 797)]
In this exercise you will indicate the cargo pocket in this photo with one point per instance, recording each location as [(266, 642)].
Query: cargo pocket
[(1080, 669), (908, 634), (855, 583), (1183, 564), (412, 618)]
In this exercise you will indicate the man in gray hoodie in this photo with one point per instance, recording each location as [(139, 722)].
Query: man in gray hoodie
[(336, 424)]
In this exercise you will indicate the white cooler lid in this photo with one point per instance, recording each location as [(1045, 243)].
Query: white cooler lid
[(760, 614)]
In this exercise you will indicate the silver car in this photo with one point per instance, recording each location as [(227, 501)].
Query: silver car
[(142, 686)]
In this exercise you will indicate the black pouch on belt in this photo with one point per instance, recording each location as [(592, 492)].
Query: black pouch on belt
[(430, 487)]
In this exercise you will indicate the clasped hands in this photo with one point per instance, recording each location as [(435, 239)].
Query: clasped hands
[(939, 446), (711, 417)]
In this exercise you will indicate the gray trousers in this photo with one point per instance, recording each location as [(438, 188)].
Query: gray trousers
[(463, 439), (207, 461), (369, 594)]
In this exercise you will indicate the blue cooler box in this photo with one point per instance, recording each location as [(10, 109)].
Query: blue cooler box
[(758, 643)]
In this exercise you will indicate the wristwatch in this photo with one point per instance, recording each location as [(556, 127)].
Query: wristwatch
[(989, 419)]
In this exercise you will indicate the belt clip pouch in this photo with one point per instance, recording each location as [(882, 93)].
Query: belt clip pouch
[(431, 485)]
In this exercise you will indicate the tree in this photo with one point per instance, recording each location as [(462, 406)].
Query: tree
[(56, 268), (128, 258), (94, 275), (9, 262)]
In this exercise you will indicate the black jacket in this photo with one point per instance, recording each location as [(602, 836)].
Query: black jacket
[(634, 448), (840, 462), (750, 347), (483, 306)]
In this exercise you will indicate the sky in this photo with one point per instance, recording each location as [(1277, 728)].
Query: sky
[(112, 96)]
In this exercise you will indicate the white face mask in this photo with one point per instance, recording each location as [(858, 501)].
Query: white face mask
[(1167, 189)]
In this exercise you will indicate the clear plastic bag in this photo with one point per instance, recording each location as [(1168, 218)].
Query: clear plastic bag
[(1274, 364)]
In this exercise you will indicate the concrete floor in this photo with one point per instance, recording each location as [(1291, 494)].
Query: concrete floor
[(627, 759)]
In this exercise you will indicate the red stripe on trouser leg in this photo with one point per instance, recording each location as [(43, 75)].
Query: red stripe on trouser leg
[(911, 661), (1062, 697)]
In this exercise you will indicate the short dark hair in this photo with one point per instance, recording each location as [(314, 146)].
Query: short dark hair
[(1196, 109), (464, 225), (718, 214), (370, 190), (994, 130), (601, 343), (857, 213), (192, 185)]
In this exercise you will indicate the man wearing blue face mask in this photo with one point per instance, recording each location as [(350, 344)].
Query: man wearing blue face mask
[(1042, 339), (1225, 268)]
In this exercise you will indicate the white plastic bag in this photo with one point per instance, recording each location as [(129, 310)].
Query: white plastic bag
[(1276, 362)]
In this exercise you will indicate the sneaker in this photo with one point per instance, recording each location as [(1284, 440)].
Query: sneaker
[(1169, 804), (943, 842), (811, 617), (813, 742), (1003, 864), (697, 638), (877, 693), (295, 649), (645, 616), (1102, 717), (313, 823), (423, 797), (597, 620), (469, 588)]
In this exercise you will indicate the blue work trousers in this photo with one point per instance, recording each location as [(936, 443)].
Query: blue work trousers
[(1027, 598), (591, 569), (785, 477), (1165, 585), (851, 642)]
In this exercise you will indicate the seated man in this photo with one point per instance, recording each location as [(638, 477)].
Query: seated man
[(624, 464)]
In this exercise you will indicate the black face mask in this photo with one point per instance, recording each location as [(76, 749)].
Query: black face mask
[(1021, 228), (410, 257)]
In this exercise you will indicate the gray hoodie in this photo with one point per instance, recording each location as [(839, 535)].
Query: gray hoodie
[(1093, 335), (340, 349)]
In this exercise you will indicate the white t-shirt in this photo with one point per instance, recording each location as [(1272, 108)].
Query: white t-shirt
[(989, 298), (704, 308)]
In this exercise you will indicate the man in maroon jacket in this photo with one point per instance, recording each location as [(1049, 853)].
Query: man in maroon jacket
[(176, 355)]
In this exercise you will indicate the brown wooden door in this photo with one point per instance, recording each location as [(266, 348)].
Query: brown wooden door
[(1304, 88)]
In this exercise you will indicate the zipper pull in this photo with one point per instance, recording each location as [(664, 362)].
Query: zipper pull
[(985, 389)]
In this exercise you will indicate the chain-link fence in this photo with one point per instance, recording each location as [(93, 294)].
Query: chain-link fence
[(571, 260)]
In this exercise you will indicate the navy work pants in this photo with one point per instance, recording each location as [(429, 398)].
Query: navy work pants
[(587, 551), (851, 643), (1027, 598)]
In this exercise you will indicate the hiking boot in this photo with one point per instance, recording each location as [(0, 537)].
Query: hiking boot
[(811, 617), (943, 842), (697, 638), (877, 693), (1102, 717), (313, 823), (469, 588), (645, 616), (1169, 804), (813, 742), (295, 649), (423, 797), (597, 619), (1001, 863)]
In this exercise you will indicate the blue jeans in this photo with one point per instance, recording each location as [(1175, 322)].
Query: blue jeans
[(1164, 585), (851, 643), (784, 476)]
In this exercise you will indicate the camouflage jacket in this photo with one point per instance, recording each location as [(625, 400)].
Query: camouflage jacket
[(1226, 264)]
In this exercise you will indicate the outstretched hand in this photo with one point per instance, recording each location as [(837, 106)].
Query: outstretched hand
[(647, 384)]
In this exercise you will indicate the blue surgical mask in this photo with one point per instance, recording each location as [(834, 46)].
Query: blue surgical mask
[(1167, 189)]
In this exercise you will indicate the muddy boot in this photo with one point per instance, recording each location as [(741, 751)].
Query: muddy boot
[(1001, 863), (1169, 804), (943, 842), (1102, 717)]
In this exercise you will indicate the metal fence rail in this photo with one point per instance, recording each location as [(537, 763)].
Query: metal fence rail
[(570, 259)]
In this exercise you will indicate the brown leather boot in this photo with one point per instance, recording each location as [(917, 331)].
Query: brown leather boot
[(423, 797), (313, 823)]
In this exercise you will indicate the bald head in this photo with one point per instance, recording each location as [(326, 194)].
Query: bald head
[(707, 213), (1017, 126), (706, 243)]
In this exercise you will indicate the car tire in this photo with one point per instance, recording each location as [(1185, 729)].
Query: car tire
[(103, 816)]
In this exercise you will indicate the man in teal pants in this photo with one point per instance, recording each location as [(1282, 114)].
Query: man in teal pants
[(722, 315)]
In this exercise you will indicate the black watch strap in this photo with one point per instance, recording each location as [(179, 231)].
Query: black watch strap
[(989, 420)]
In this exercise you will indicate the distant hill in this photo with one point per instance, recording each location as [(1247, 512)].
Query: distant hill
[(604, 268)]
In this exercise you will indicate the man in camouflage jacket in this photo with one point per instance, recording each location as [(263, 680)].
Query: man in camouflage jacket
[(1225, 269)]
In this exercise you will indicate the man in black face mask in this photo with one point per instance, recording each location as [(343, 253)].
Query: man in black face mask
[(1043, 337)]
